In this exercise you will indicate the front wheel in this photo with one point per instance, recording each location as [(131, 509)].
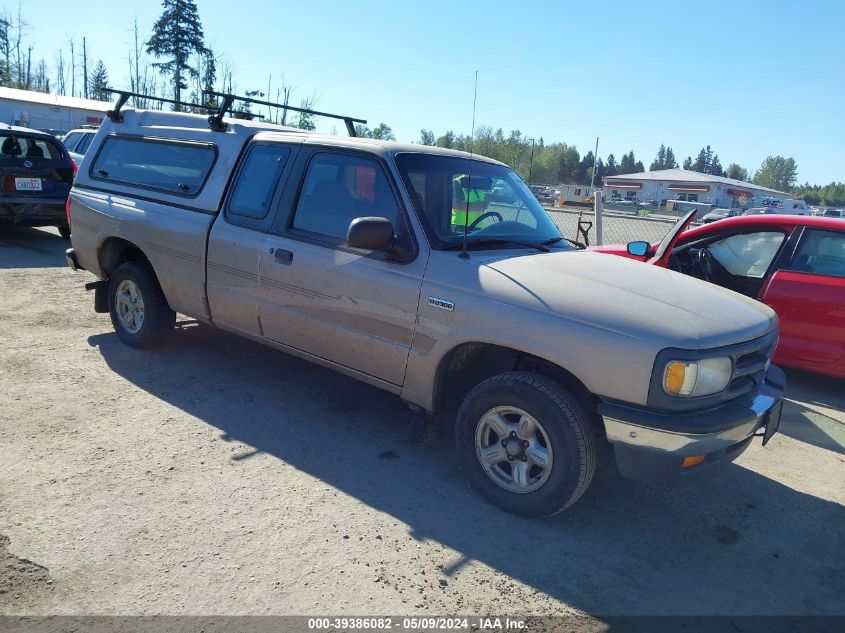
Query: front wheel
[(525, 443), (139, 311)]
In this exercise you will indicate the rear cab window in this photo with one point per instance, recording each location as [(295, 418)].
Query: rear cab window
[(176, 167), (256, 183)]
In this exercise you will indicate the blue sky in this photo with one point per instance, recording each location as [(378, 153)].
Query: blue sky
[(749, 78)]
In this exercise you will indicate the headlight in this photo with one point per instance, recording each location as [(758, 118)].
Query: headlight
[(691, 378)]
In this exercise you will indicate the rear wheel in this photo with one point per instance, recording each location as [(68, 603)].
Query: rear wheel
[(64, 231), (139, 311), (525, 444)]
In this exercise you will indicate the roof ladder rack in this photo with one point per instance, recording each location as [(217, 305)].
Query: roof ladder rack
[(124, 95), (217, 124)]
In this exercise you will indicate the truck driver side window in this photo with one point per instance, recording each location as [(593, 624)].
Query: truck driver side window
[(339, 188)]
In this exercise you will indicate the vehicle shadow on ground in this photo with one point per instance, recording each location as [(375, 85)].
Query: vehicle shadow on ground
[(28, 247), (737, 542), (808, 422)]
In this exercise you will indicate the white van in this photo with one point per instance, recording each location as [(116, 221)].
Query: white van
[(794, 207), (782, 206)]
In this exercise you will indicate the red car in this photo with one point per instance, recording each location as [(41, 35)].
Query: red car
[(794, 264)]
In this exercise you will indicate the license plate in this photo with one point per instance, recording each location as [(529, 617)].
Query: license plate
[(772, 421), (28, 184)]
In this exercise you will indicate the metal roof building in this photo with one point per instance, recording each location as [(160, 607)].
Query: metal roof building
[(44, 111), (690, 186)]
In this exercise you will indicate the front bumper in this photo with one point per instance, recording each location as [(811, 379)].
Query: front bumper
[(652, 445)]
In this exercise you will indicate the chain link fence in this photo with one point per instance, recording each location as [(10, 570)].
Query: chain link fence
[(618, 227)]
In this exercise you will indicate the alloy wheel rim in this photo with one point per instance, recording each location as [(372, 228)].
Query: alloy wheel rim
[(513, 449), (130, 306)]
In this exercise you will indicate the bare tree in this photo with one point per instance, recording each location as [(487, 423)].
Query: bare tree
[(41, 79), (142, 79), (27, 78), (19, 27), (72, 69), (61, 74)]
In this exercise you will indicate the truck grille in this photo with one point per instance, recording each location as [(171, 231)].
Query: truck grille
[(751, 360)]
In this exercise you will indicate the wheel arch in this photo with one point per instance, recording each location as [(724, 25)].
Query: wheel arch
[(114, 251), (468, 364)]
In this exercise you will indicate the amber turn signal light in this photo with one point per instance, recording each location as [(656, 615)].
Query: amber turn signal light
[(693, 460)]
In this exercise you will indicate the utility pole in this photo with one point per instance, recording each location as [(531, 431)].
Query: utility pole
[(597, 201), (85, 66), (72, 69), (531, 162)]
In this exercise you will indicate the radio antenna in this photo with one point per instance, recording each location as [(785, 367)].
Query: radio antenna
[(464, 254)]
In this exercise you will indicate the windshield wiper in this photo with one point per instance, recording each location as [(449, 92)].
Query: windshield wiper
[(493, 241), (555, 240)]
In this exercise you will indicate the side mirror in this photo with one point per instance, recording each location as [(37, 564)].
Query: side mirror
[(371, 234), (638, 249)]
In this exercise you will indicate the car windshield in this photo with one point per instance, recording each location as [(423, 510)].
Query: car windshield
[(491, 201)]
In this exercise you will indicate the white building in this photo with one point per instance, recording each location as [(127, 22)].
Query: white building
[(689, 186), (55, 113), (576, 195)]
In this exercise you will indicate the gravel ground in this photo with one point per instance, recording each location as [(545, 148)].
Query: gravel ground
[(217, 476)]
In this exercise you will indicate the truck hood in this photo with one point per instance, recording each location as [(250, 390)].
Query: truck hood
[(623, 296)]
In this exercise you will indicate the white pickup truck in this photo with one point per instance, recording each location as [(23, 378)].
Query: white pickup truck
[(361, 256)]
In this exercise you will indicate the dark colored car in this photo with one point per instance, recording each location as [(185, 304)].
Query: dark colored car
[(36, 174), (795, 264), (719, 214)]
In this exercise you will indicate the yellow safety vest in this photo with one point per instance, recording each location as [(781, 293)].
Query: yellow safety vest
[(459, 207)]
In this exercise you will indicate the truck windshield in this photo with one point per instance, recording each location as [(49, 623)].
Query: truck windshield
[(491, 200)]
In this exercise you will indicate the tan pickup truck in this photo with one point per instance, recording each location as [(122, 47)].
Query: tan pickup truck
[(368, 257)]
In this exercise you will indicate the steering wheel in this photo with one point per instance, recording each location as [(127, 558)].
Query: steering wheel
[(705, 264), (484, 216)]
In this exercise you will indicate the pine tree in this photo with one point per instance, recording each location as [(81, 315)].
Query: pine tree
[(669, 161), (585, 169), (209, 76), (700, 164), (177, 34), (688, 163), (716, 166), (99, 82), (611, 168), (660, 161), (629, 164)]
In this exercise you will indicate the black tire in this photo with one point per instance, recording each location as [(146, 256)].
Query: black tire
[(158, 318), (64, 231), (564, 421)]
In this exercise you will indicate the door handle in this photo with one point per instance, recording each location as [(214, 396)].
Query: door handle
[(282, 256)]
